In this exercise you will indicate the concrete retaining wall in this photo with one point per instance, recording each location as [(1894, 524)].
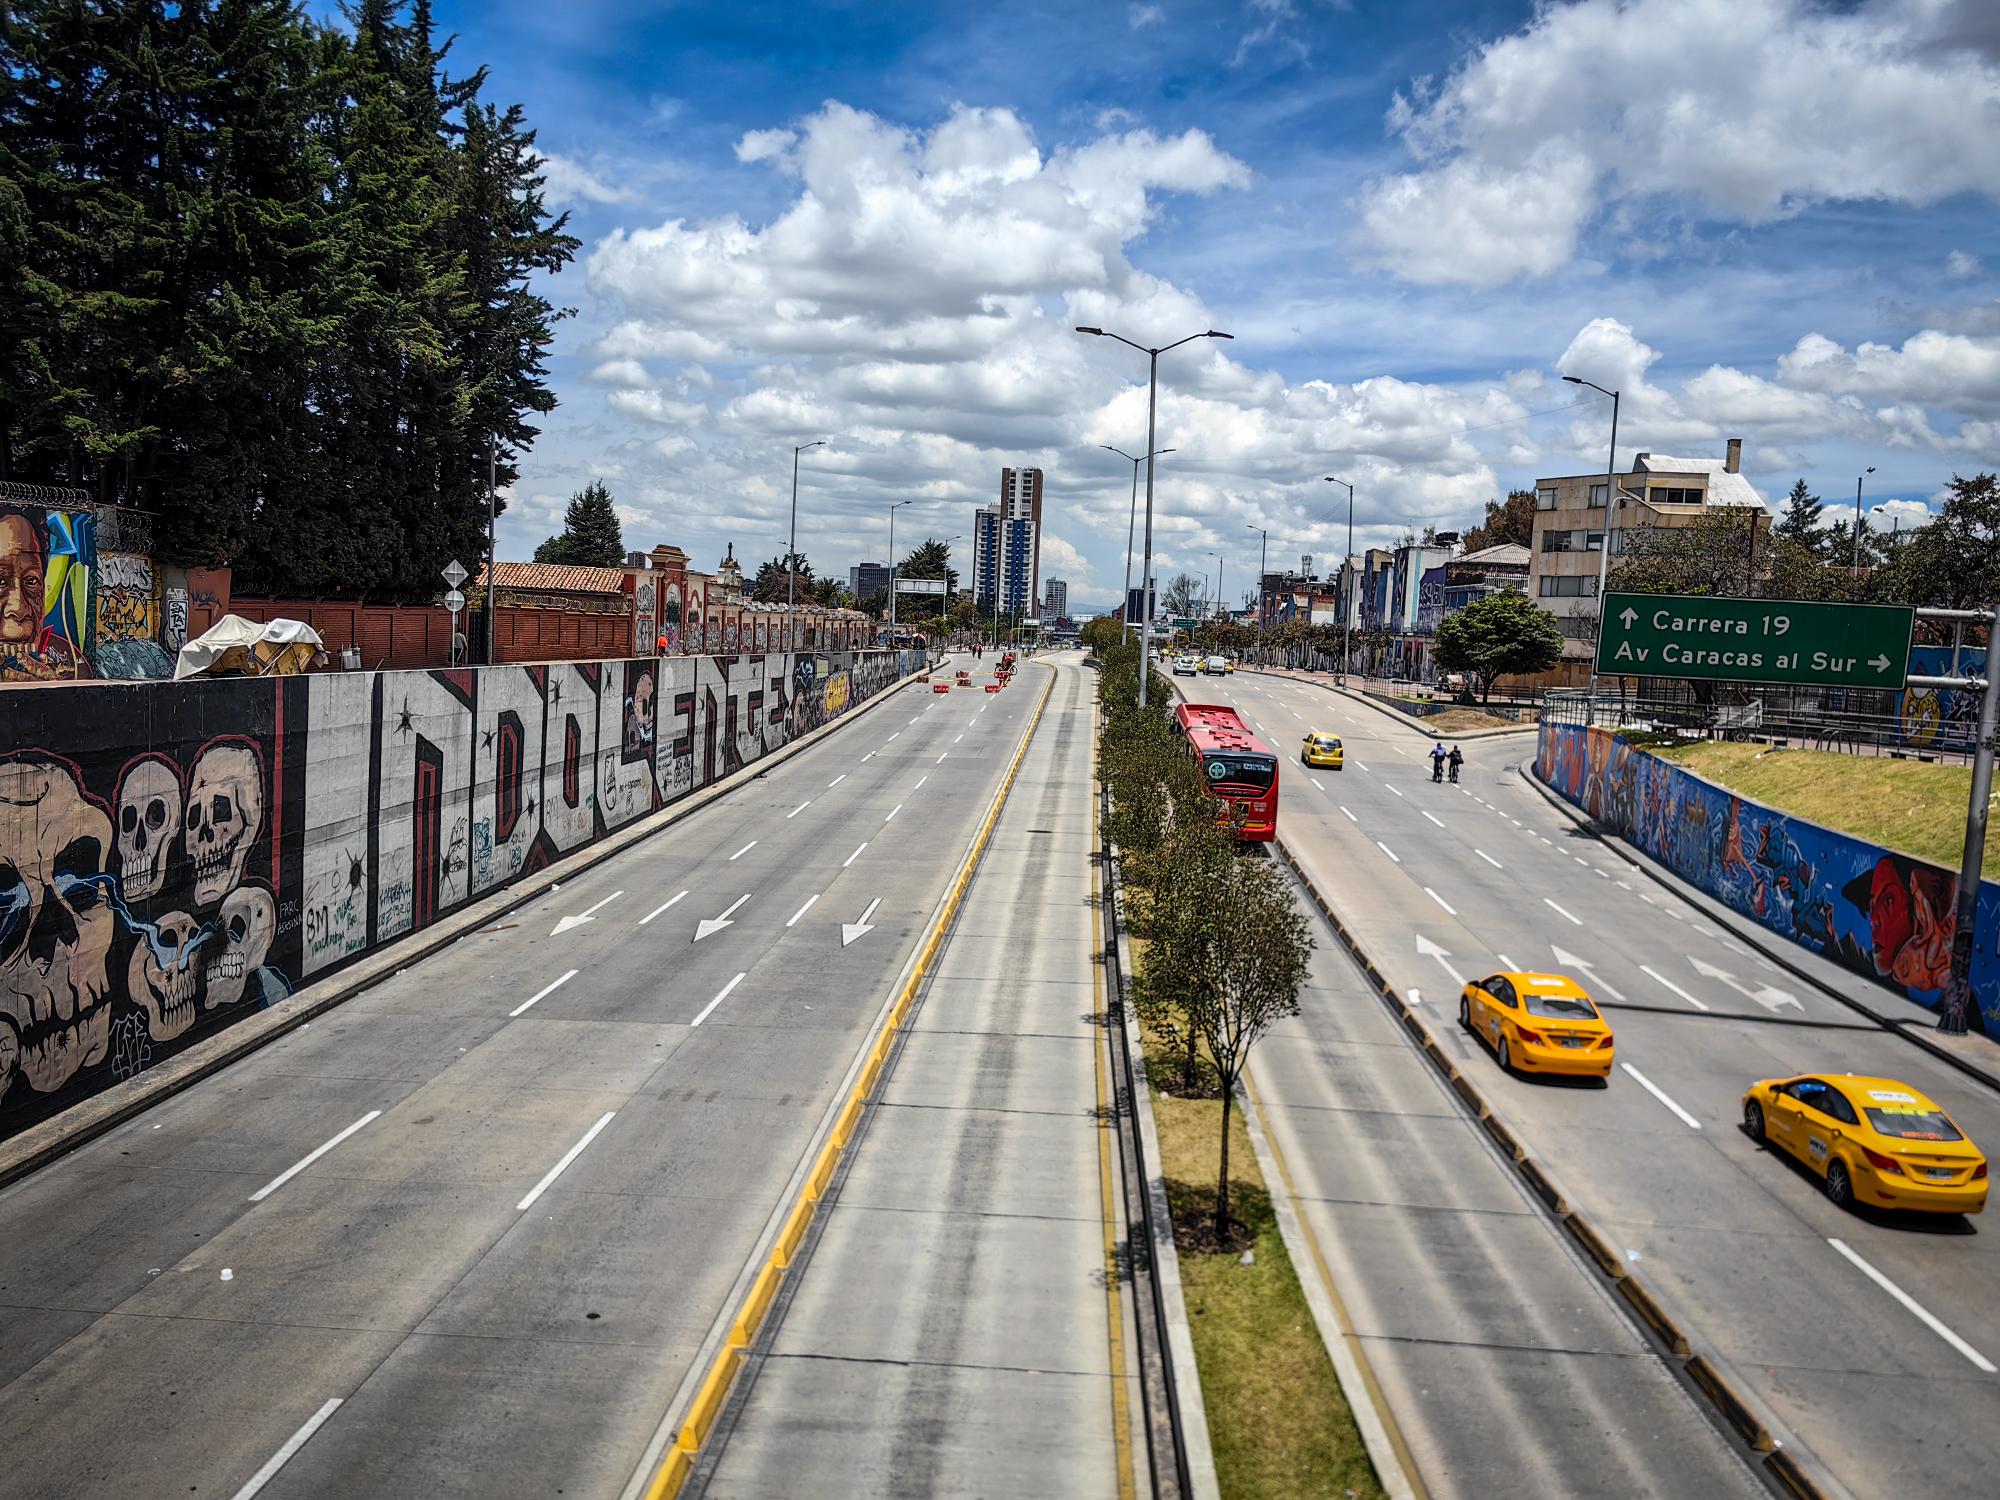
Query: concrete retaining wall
[(174, 857), (1884, 915)]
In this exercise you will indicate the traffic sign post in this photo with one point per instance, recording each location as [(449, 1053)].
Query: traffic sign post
[(1755, 640)]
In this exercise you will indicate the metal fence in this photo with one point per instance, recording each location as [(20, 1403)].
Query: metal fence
[(1915, 724)]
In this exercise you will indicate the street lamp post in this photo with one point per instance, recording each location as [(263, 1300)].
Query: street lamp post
[(1131, 520), (1610, 525), (1152, 404), (1857, 517), (792, 551), (1346, 604), (1263, 547), (892, 564)]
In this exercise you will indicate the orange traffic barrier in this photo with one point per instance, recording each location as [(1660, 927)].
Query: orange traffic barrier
[(940, 687), (992, 687)]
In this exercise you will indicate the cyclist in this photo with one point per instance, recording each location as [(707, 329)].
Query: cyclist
[(1456, 760), (1437, 762)]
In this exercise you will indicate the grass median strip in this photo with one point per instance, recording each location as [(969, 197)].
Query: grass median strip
[(1278, 1422)]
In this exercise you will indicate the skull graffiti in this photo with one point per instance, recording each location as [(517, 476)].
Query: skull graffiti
[(225, 811), (55, 925), (149, 819), (166, 989), (244, 927)]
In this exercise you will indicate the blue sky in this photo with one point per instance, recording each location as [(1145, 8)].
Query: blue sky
[(874, 223)]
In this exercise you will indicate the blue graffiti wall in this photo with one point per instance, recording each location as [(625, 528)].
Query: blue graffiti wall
[(1884, 915)]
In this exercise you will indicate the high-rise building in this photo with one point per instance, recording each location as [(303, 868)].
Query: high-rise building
[(866, 580), (1055, 601), (1007, 545)]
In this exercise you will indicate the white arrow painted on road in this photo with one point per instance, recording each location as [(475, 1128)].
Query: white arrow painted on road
[(709, 926), (585, 916), (1429, 949), (1570, 961), (1773, 1000), (849, 931)]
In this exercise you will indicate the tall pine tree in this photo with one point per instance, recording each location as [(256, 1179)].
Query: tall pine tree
[(591, 536), (1801, 521)]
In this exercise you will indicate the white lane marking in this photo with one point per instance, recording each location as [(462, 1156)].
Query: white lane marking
[(1662, 979), (1441, 901), (660, 908), (892, 738), (1647, 899), (1660, 1094), (1489, 859), (743, 851), (1672, 913), (1545, 840), (1624, 885), (1580, 860), (1316, 782), (854, 856), (720, 996), (1359, 766), (1914, 1306), (1434, 818), (1515, 821), (1393, 787), (940, 760), (1604, 874), (868, 757), (800, 808), (836, 781), (543, 994), (568, 1156), (1508, 964), (1387, 850), (851, 931), (312, 1156), (957, 738), (1559, 911), (920, 782), (915, 718), (1350, 816), (284, 1455), (803, 909), (892, 812)]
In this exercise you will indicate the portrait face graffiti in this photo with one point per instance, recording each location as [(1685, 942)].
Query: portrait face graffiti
[(21, 572)]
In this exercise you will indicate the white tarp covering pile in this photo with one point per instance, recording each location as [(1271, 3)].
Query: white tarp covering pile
[(236, 646)]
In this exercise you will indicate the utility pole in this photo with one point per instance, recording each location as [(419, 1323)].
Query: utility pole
[(1263, 546), (792, 552), (1958, 997), (1610, 515), (1857, 517), (492, 505), (1347, 610), (892, 565)]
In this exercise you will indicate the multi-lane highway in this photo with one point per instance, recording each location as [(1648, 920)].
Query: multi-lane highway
[(1870, 1339), (465, 1234), (954, 1330)]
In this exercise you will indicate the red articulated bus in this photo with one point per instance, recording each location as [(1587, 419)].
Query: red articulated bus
[(1238, 767)]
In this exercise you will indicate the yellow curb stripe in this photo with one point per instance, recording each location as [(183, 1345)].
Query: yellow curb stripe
[(1121, 1411), (713, 1393)]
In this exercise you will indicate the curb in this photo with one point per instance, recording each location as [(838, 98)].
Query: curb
[(54, 1138), (1757, 937), (1408, 721), (1782, 1469), (672, 1468), (1191, 1411)]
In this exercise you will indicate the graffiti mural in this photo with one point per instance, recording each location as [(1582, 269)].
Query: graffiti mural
[(38, 584), (175, 856), (1941, 718), (1884, 915), (128, 598)]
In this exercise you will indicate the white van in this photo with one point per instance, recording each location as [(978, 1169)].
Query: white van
[(1215, 666)]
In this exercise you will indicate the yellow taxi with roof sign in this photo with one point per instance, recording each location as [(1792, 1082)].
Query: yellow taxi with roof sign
[(1539, 1023), (1323, 750), (1872, 1140)]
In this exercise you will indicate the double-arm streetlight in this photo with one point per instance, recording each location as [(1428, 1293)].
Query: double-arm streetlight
[(1131, 520), (1152, 403), (1347, 605), (892, 562), (792, 550), (1610, 524)]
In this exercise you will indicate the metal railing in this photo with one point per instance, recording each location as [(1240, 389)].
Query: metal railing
[(1917, 724)]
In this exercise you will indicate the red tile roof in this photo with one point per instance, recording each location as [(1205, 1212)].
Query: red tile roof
[(553, 578)]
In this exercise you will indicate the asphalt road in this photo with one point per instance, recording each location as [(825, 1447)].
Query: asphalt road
[(1871, 1337), (477, 1221), (950, 1334)]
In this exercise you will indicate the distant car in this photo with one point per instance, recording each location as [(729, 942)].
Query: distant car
[(1871, 1140), (1186, 666), (1229, 666), (1538, 1023), (1215, 666), (1323, 750)]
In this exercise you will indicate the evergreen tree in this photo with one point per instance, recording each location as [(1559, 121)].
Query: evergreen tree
[(1801, 521), (1509, 520), (591, 536)]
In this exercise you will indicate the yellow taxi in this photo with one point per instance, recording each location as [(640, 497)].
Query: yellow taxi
[(1538, 1023), (1229, 666), (1323, 750), (1871, 1139)]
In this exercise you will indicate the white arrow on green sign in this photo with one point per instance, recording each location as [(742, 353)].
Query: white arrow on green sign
[(1755, 640)]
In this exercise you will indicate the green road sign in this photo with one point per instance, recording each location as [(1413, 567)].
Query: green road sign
[(1755, 640)]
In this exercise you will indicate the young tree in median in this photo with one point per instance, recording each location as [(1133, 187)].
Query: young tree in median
[(591, 536), (1257, 952), (1497, 636)]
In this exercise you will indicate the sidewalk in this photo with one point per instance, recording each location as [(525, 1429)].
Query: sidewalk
[(951, 1332), (1408, 721)]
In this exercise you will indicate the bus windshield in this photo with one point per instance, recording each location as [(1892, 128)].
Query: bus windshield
[(1254, 772)]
